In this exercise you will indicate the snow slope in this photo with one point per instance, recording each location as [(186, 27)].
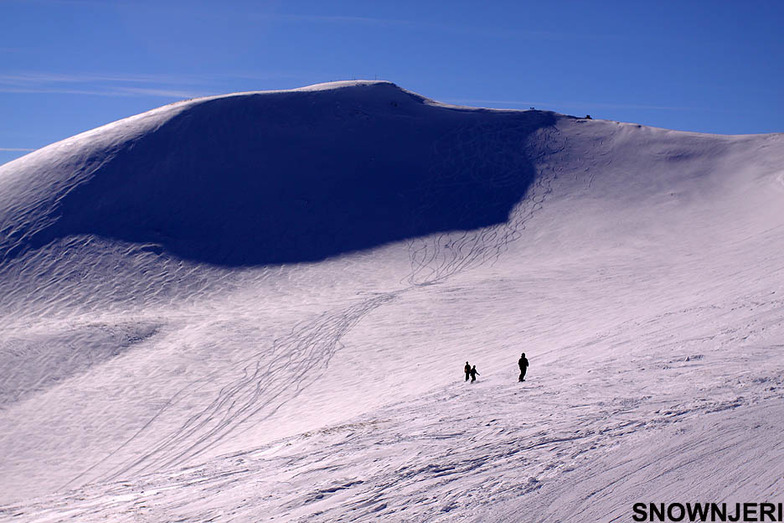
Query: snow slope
[(258, 306)]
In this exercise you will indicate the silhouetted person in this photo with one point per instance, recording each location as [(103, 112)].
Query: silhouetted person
[(467, 371), (523, 364), (474, 373)]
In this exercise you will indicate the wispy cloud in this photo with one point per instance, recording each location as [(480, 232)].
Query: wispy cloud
[(36, 77), (15, 150), (128, 85), (89, 84), (25, 78), (108, 91), (163, 93)]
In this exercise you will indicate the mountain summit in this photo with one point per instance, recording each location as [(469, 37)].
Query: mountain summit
[(283, 177)]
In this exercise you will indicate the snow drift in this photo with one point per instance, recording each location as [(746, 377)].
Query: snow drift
[(259, 305)]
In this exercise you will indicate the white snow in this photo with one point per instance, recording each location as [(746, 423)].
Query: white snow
[(189, 336)]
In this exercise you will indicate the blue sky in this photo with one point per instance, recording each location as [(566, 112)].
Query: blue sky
[(67, 66)]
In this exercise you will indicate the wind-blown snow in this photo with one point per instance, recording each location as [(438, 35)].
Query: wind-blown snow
[(259, 306)]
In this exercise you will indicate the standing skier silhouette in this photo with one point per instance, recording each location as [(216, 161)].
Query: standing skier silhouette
[(474, 373), (467, 370), (523, 364)]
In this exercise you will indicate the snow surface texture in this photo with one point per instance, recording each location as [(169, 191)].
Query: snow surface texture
[(258, 306)]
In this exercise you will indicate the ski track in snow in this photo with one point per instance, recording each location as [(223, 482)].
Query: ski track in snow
[(269, 379), (435, 259), (478, 449), (265, 381)]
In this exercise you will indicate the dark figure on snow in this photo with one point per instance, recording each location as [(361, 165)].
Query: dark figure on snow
[(523, 364), (467, 371), (474, 373)]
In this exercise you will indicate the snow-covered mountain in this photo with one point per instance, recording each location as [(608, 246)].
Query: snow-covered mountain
[(258, 306)]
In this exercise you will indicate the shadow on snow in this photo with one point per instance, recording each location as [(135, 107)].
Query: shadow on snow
[(300, 176)]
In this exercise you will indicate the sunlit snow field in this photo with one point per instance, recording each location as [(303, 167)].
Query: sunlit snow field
[(259, 307)]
